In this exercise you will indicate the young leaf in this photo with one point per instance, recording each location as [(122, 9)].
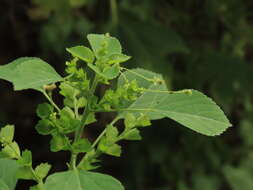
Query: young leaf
[(83, 145), (44, 110), (26, 158), (25, 173), (109, 148), (101, 42), (82, 180), (11, 150), (59, 142), (132, 134), (42, 170), (118, 58), (45, 127), (82, 53), (27, 73), (7, 134), (8, 169)]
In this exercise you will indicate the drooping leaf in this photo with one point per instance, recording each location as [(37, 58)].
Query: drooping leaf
[(8, 169), (82, 53), (82, 180), (29, 72), (195, 111)]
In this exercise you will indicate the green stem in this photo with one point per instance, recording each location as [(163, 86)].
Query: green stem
[(51, 101), (114, 12), (98, 139), (79, 131)]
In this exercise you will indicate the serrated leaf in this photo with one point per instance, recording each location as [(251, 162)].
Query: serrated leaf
[(7, 134), (11, 150), (44, 110), (8, 169), (26, 158), (42, 170), (130, 120), (111, 133), (45, 127), (82, 53), (109, 148), (132, 134), (82, 180), (29, 72), (195, 111), (82, 145), (100, 42), (25, 173), (59, 142)]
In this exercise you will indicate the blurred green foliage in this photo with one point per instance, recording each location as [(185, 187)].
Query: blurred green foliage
[(200, 44)]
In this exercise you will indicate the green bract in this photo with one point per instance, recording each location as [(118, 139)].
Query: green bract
[(138, 97)]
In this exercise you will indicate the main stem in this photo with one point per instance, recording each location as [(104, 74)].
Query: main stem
[(87, 111), (98, 139)]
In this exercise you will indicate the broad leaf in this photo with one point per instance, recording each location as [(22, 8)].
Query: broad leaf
[(82, 53), (104, 44), (82, 180), (195, 111), (29, 72), (8, 169)]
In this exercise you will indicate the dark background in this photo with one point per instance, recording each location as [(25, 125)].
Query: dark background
[(200, 44)]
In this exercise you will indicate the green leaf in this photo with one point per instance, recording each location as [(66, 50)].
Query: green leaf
[(44, 110), (42, 170), (29, 72), (26, 158), (11, 150), (104, 45), (8, 169), (195, 111), (82, 53), (111, 133), (7, 134), (130, 121), (111, 72), (45, 127), (3, 185), (82, 145), (82, 180), (59, 142), (109, 148), (132, 134), (25, 173), (118, 58)]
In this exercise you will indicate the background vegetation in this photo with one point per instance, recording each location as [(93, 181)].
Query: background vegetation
[(200, 44)]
